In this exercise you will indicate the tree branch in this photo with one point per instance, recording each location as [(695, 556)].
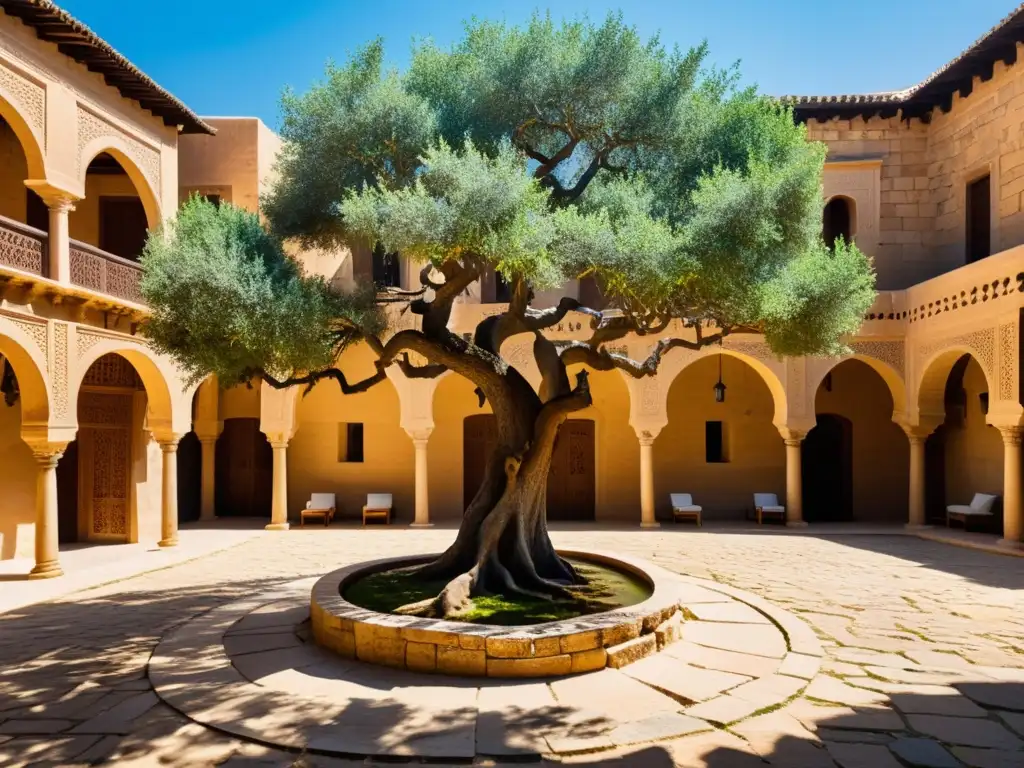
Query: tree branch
[(311, 379), (601, 359)]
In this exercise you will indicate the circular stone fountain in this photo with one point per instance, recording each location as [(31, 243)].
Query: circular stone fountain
[(566, 646)]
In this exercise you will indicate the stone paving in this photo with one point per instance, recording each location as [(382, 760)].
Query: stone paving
[(923, 665)]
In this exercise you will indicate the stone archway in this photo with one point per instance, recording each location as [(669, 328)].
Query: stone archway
[(24, 421), (129, 158)]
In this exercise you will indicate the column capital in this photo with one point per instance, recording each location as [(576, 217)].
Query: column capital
[(1011, 435), (792, 436), (279, 445), (48, 454), (56, 199), (169, 444), (648, 436), (917, 433), (420, 436)]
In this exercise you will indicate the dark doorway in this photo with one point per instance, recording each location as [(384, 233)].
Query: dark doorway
[(479, 437), (36, 213), (571, 481), (837, 222), (827, 458), (67, 495), (935, 476), (245, 465), (979, 223), (122, 226), (190, 478), (387, 270)]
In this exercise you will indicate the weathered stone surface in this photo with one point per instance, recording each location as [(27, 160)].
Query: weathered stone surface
[(989, 758), (509, 647), (935, 700), (531, 667), (728, 612), (723, 661), (755, 639), (473, 642), (631, 650), (589, 661), (547, 646), (711, 749), (851, 737), (421, 657), (998, 695), (860, 719), (610, 691), (861, 755), (768, 691), (924, 753), (723, 709), (687, 683), (620, 633), (965, 731), (40, 726), (835, 691), (663, 725), (376, 649), (417, 635), (1015, 720), (670, 630), (800, 665), (119, 719), (460, 661), (581, 641)]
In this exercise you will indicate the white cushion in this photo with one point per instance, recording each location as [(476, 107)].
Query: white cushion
[(378, 501), (321, 501), (680, 500), (766, 500), (687, 508), (963, 509), (772, 508), (983, 502)]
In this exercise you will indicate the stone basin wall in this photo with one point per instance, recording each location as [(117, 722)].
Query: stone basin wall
[(585, 644)]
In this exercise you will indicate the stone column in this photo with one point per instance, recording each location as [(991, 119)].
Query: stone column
[(169, 494), (1013, 512), (59, 242), (279, 507), (918, 438), (422, 514), (647, 480), (47, 562), (794, 478), (207, 494)]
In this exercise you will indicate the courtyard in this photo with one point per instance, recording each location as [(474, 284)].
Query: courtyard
[(921, 643)]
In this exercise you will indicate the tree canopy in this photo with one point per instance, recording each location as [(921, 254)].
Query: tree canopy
[(548, 153)]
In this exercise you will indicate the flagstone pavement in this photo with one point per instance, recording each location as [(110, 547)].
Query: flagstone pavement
[(923, 657)]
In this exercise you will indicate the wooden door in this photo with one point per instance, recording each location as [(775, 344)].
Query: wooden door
[(244, 470), (104, 465), (122, 226), (571, 481), (479, 437)]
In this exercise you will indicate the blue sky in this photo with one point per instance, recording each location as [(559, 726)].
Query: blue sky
[(224, 58)]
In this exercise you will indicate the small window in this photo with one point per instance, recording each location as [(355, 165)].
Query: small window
[(350, 443), (837, 222), (979, 224), (215, 199), (714, 443), (386, 268)]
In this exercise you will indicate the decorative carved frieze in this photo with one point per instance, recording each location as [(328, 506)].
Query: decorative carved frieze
[(981, 344), (20, 249), (27, 97), (59, 380), (92, 126), (112, 370), (891, 353), (1008, 349), (36, 330)]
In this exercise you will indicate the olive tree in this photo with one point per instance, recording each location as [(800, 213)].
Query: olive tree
[(546, 153)]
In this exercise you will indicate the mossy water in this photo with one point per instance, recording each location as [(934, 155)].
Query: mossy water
[(606, 589)]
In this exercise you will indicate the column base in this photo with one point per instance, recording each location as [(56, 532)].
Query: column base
[(1010, 544), (421, 525), (796, 523), (650, 524), (277, 526), (168, 542), (48, 570)]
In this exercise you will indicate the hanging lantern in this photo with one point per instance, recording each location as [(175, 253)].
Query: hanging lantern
[(719, 387)]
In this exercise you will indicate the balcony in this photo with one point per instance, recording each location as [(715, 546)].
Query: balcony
[(25, 249)]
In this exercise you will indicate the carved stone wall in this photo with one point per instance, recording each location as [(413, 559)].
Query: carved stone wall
[(112, 370), (36, 330), (1008, 362), (981, 343), (892, 353), (60, 370), (91, 126), (27, 97)]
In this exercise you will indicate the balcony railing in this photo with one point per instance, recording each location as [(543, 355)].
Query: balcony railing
[(104, 272), (22, 247)]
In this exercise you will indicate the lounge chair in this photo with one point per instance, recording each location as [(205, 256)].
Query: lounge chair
[(980, 507), (319, 505), (377, 505), (683, 508), (768, 504)]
